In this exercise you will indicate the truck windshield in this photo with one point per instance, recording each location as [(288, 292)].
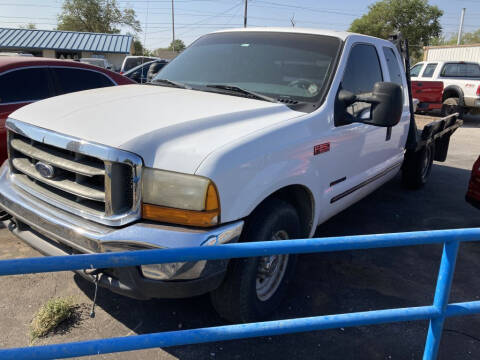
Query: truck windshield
[(286, 66)]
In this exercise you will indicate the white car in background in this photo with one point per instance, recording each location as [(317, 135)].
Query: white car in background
[(461, 83), (133, 61), (100, 62)]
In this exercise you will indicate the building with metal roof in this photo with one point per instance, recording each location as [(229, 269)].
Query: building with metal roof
[(67, 44)]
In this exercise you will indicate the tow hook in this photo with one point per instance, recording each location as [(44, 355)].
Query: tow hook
[(96, 273)]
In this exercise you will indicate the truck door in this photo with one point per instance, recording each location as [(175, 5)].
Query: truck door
[(366, 155)]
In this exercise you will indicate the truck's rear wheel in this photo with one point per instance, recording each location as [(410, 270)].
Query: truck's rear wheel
[(417, 166), (451, 106), (254, 287)]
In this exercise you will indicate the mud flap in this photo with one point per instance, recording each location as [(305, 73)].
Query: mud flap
[(439, 132)]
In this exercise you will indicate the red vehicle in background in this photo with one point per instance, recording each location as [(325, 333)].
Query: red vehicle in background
[(24, 80), (429, 94), (473, 193)]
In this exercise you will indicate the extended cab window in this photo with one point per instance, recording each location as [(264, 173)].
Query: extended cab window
[(467, 70), (415, 71), (393, 66), (24, 85), (429, 70), (71, 80)]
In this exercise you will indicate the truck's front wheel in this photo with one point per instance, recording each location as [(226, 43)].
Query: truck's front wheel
[(254, 287), (417, 166)]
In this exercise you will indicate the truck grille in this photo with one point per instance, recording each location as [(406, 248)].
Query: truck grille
[(93, 187)]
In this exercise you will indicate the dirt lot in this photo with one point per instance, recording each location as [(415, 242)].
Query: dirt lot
[(325, 284)]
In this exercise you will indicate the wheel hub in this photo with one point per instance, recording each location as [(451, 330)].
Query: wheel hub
[(271, 270)]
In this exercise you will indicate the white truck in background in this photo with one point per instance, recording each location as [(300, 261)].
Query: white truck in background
[(248, 135), (461, 84)]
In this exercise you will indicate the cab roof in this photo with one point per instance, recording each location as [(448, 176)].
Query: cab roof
[(297, 30)]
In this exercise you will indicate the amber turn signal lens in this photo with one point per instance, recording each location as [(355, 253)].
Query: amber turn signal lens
[(209, 217), (179, 216)]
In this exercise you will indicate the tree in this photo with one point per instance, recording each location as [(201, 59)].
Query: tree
[(467, 38), (139, 49), (101, 16), (29, 26), (177, 45), (415, 19)]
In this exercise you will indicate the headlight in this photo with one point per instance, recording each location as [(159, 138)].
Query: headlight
[(179, 198)]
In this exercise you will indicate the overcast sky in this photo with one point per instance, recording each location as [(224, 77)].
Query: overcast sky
[(196, 17)]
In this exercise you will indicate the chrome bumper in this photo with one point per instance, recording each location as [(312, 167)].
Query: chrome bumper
[(53, 231)]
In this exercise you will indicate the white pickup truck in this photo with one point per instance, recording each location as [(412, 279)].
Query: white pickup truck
[(461, 84), (248, 135)]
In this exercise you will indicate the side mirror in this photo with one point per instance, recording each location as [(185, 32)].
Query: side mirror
[(346, 98), (387, 104)]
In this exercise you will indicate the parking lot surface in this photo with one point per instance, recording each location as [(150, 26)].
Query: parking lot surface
[(325, 284)]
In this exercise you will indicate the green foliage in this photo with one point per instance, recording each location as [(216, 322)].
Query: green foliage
[(50, 315), (29, 26), (177, 45), (102, 16), (467, 38), (415, 19), (471, 37), (139, 49)]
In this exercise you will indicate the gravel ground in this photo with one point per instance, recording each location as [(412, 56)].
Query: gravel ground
[(325, 284)]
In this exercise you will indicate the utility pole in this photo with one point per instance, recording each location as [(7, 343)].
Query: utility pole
[(245, 14), (173, 27), (460, 29)]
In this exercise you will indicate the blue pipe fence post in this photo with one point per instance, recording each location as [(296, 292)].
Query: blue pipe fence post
[(440, 302), (436, 313)]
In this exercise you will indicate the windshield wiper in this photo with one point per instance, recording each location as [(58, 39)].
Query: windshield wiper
[(238, 90), (170, 82)]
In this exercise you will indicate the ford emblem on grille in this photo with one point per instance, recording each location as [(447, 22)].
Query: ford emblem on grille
[(46, 170)]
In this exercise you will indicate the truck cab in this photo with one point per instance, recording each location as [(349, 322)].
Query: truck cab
[(248, 135)]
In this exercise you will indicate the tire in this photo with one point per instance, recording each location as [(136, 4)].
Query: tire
[(244, 296), (452, 106), (417, 167)]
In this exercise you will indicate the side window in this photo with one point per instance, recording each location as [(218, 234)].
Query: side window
[(450, 70), (429, 70), (393, 66), (415, 71), (363, 69), (461, 70), (71, 80), (472, 70), (24, 85)]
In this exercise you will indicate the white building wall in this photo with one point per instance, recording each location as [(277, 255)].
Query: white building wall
[(115, 59), (49, 54), (453, 53)]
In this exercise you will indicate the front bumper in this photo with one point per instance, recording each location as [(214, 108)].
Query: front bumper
[(53, 231)]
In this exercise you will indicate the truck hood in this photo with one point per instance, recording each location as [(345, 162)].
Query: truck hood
[(170, 128)]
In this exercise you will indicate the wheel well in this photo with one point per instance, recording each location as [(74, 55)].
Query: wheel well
[(302, 200), (451, 93)]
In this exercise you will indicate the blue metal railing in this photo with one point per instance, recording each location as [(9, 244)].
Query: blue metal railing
[(436, 313)]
